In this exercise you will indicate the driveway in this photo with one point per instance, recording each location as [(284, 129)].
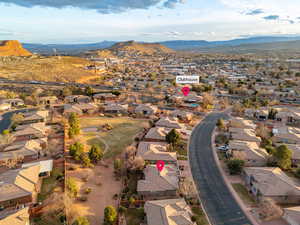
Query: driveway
[(217, 200)]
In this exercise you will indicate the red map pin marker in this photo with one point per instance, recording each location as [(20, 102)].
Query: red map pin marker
[(185, 91), (160, 165)]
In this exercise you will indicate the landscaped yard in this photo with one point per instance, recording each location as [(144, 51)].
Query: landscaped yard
[(199, 216), (123, 131), (134, 216), (49, 184), (243, 193)]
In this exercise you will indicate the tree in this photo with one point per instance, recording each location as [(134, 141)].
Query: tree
[(66, 91), (95, 153), (76, 150), (117, 164), (221, 124), (17, 118), (272, 114), (81, 221), (88, 91), (173, 137), (283, 156), (235, 166), (74, 125), (208, 101), (5, 132), (72, 187), (110, 215), (138, 163), (86, 162)]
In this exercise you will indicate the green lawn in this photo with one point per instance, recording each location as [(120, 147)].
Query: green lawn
[(243, 193), (181, 148), (199, 216), (49, 184), (134, 216), (123, 132)]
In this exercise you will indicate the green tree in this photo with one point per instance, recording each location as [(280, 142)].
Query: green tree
[(235, 166), (221, 124), (95, 153), (283, 156), (74, 125), (173, 137), (76, 150), (86, 162), (5, 132), (66, 91), (72, 187), (88, 91), (117, 164), (110, 215), (81, 221)]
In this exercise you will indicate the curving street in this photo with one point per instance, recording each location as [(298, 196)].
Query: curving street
[(217, 200)]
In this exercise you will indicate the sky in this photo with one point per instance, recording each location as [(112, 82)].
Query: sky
[(88, 21)]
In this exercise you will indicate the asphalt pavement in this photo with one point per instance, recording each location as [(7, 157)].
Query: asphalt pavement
[(5, 119), (217, 200)]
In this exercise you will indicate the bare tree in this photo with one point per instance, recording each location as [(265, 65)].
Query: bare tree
[(137, 163)]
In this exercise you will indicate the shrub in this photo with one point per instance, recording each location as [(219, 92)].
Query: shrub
[(88, 190), (235, 166), (81, 221), (110, 215)]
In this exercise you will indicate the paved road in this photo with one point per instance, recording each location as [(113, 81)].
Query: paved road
[(5, 118), (217, 200)]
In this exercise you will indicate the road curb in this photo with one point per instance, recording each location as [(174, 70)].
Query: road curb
[(228, 184)]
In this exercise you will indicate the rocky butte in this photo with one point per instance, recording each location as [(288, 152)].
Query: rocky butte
[(13, 48)]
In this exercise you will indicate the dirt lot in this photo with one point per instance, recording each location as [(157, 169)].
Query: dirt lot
[(100, 196)]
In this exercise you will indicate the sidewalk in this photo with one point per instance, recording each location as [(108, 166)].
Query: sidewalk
[(233, 192)]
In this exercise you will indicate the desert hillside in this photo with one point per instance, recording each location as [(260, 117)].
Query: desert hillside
[(132, 47), (13, 48), (54, 68)]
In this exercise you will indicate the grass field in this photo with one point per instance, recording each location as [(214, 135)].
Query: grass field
[(243, 193), (123, 132), (199, 215)]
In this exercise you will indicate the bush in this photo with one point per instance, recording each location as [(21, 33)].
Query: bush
[(95, 153), (110, 215), (83, 198), (81, 221), (72, 187), (88, 190), (235, 166)]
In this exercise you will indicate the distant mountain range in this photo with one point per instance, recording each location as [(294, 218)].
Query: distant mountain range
[(74, 49)]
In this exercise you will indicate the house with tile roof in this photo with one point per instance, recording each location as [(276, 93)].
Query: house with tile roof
[(239, 122), (286, 135), (242, 134), (248, 151), (169, 122), (31, 131), (146, 109), (272, 182), (169, 211), (292, 215), (19, 186), (159, 184), (26, 150), (40, 116), (17, 217), (157, 134), (155, 151)]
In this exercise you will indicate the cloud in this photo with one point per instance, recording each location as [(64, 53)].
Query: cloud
[(4, 32), (172, 3), (271, 17), (255, 12), (102, 6)]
